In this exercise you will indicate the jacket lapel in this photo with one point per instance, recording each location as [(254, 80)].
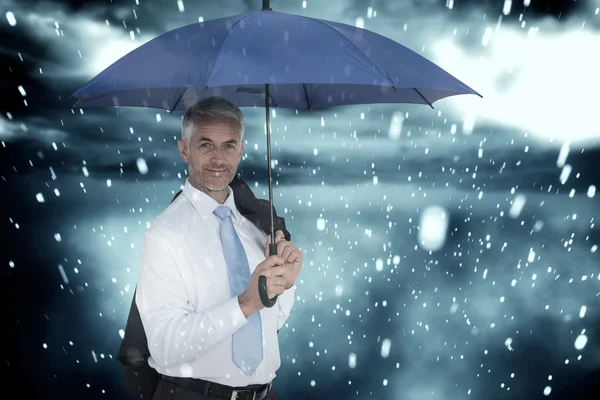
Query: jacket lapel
[(256, 210)]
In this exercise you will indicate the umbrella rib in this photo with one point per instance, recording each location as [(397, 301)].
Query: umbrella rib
[(177, 101), (353, 45), (423, 97), (306, 96), (243, 16)]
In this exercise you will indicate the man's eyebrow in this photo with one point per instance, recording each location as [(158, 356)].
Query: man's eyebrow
[(206, 139)]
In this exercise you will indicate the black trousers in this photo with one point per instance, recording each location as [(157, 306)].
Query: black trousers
[(169, 391)]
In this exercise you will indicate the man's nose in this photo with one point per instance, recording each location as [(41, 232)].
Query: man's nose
[(217, 154)]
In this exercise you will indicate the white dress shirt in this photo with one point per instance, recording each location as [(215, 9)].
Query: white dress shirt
[(183, 294)]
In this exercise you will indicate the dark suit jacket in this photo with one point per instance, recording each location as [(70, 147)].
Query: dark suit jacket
[(140, 380)]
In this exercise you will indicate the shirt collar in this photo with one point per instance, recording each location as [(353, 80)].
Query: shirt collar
[(205, 205)]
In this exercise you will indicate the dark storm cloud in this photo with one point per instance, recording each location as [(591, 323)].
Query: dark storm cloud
[(536, 9), (13, 47), (106, 147), (65, 70), (43, 52), (537, 173), (28, 157)]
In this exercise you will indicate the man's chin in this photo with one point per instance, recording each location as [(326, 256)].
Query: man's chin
[(215, 188)]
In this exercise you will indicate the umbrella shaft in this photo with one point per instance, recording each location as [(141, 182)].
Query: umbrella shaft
[(262, 280), (268, 115)]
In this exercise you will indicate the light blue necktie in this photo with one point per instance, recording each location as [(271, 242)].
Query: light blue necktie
[(247, 341)]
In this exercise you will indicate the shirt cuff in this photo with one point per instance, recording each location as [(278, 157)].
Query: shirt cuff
[(228, 317)]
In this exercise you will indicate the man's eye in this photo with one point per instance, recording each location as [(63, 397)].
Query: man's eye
[(204, 145)]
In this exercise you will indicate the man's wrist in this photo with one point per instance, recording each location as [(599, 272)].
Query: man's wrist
[(245, 307)]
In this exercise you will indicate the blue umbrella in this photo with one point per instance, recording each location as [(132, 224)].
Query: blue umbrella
[(272, 59)]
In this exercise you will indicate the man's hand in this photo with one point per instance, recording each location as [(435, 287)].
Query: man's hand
[(273, 268), (291, 255)]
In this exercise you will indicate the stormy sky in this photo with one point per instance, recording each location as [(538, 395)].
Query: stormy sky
[(450, 253)]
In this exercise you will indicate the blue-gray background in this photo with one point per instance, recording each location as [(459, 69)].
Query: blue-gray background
[(450, 253)]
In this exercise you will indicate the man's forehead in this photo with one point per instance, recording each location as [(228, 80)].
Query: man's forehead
[(217, 135), (215, 120)]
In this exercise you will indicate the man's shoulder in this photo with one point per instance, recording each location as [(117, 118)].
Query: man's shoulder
[(174, 218)]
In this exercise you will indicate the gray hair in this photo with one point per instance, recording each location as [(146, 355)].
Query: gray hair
[(211, 107)]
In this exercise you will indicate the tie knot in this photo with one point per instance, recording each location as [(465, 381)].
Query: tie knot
[(222, 212)]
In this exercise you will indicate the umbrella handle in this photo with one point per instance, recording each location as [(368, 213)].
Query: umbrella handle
[(262, 283)]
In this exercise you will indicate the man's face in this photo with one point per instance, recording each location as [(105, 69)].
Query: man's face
[(213, 155)]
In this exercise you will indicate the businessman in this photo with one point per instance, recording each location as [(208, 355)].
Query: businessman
[(209, 336)]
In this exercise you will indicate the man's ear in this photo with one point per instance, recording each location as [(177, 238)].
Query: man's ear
[(183, 150)]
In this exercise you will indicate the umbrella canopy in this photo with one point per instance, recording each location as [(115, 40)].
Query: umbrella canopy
[(272, 59), (309, 63)]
